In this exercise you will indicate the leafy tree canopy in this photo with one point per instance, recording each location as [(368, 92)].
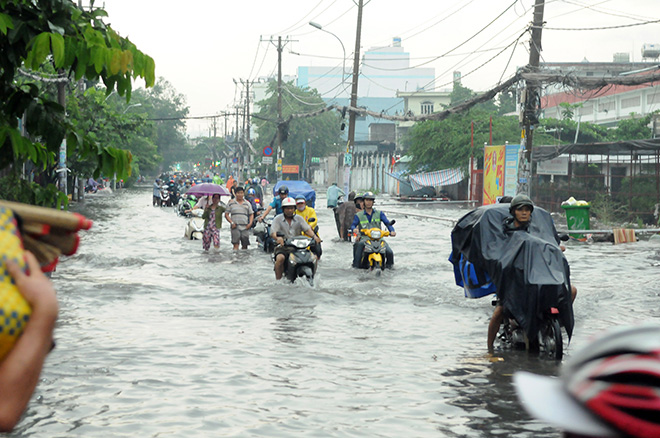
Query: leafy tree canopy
[(53, 36)]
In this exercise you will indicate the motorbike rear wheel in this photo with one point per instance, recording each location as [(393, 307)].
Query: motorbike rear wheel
[(550, 340)]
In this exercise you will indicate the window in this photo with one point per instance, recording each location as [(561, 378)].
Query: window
[(427, 107)]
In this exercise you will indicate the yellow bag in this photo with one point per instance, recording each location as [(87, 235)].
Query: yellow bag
[(14, 310)]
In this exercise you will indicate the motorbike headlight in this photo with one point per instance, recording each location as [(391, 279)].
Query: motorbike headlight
[(375, 234), (300, 244)]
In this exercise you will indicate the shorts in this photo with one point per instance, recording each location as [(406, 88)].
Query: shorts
[(240, 236), (281, 249)]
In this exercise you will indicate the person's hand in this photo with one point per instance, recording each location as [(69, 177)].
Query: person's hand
[(35, 287), (260, 219), (233, 225), (280, 241), (393, 233), (562, 247), (317, 239)]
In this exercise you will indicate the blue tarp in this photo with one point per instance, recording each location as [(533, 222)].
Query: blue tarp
[(297, 188)]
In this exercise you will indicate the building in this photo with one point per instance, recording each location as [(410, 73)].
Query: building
[(420, 103), (384, 72)]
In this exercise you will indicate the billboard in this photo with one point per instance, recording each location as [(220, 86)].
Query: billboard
[(494, 162), (511, 169)]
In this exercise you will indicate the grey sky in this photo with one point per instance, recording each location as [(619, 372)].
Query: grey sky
[(201, 46)]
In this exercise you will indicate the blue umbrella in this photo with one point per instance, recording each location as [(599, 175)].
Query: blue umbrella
[(208, 189)]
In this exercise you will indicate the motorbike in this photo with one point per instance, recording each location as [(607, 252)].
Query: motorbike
[(165, 200), (373, 255), (185, 204), (264, 240), (195, 227), (548, 342), (302, 261)]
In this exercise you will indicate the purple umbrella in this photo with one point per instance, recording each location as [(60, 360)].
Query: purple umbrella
[(208, 189)]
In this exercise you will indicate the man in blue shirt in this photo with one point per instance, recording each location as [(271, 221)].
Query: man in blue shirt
[(283, 191), (370, 218), (333, 195)]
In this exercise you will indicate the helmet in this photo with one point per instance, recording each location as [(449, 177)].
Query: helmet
[(615, 379), (283, 190), (288, 202), (369, 195), (255, 180), (520, 201), (252, 191), (300, 198)]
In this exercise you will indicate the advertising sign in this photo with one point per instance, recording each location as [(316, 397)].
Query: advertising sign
[(556, 166), (290, 168), (511, 169), (493, 173)]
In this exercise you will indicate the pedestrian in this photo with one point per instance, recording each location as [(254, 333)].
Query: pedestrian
[(333, 195), (156, 200), (21, 367), (610, 388), (346, 212), (212, 223), (240, 216)]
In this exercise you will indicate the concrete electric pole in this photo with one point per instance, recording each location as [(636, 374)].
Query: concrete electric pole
[(531, 103), (354, 92)]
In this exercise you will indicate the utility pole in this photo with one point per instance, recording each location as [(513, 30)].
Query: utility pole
[(531, 103), (280, 152), (354, 91)]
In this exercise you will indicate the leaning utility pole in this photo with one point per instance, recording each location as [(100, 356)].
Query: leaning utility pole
[(280, 152), (354, 92), (531, 103)]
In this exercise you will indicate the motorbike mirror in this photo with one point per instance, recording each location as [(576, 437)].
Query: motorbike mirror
[(564, 237), (311, 219), (392, 222)]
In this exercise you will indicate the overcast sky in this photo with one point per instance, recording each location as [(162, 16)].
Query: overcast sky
[(201, 46)]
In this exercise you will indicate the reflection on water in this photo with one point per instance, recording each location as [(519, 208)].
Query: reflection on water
[(159, 338)]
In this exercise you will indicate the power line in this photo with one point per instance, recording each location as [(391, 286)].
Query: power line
[(597, 28)]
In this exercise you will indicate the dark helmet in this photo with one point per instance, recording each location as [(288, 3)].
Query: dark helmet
[(283, 190), (369, 195), (520, 201)]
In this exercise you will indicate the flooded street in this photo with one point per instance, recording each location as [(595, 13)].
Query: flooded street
[(157, 338)]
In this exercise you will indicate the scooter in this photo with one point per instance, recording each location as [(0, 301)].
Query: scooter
[(548, 343), (195, 227), (302, 261), (373, 255), (165, 200)]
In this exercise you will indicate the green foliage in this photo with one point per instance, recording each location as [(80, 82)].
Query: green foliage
[(445, 144), (17, 189), (607, 210), (635, 128), (320, 132), (51, 35)]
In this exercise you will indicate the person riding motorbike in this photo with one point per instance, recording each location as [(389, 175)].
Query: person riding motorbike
[(521, 214), (370, 218), (250, 196), (309, 214), (283, 193), (289, 225)]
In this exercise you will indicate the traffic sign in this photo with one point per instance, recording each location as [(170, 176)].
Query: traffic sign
[(267, 160), (268, 151), (290, 168), (234, 160)]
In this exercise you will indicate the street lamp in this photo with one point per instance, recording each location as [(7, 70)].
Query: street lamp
[(343, 68), (131, 106)]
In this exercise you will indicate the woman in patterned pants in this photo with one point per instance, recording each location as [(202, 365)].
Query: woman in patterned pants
[(212, 223)]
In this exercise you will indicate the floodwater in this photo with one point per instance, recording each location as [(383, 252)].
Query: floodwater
[(157, 338)]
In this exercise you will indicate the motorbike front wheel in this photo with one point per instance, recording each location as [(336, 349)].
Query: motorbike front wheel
[(550, 340)]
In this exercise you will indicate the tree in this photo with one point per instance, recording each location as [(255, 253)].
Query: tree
[(320, 132), (635, 128), (54, 36)]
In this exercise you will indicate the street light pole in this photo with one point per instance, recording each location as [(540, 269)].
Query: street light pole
[(343, 68), (131, 106)]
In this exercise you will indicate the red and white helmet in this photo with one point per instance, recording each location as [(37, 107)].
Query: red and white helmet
[(611, 388), (288, 202)]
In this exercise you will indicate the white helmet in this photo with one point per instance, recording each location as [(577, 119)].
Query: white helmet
[(288, 202)]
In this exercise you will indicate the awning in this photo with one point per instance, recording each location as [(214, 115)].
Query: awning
[(438, 178), (639, 147)]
